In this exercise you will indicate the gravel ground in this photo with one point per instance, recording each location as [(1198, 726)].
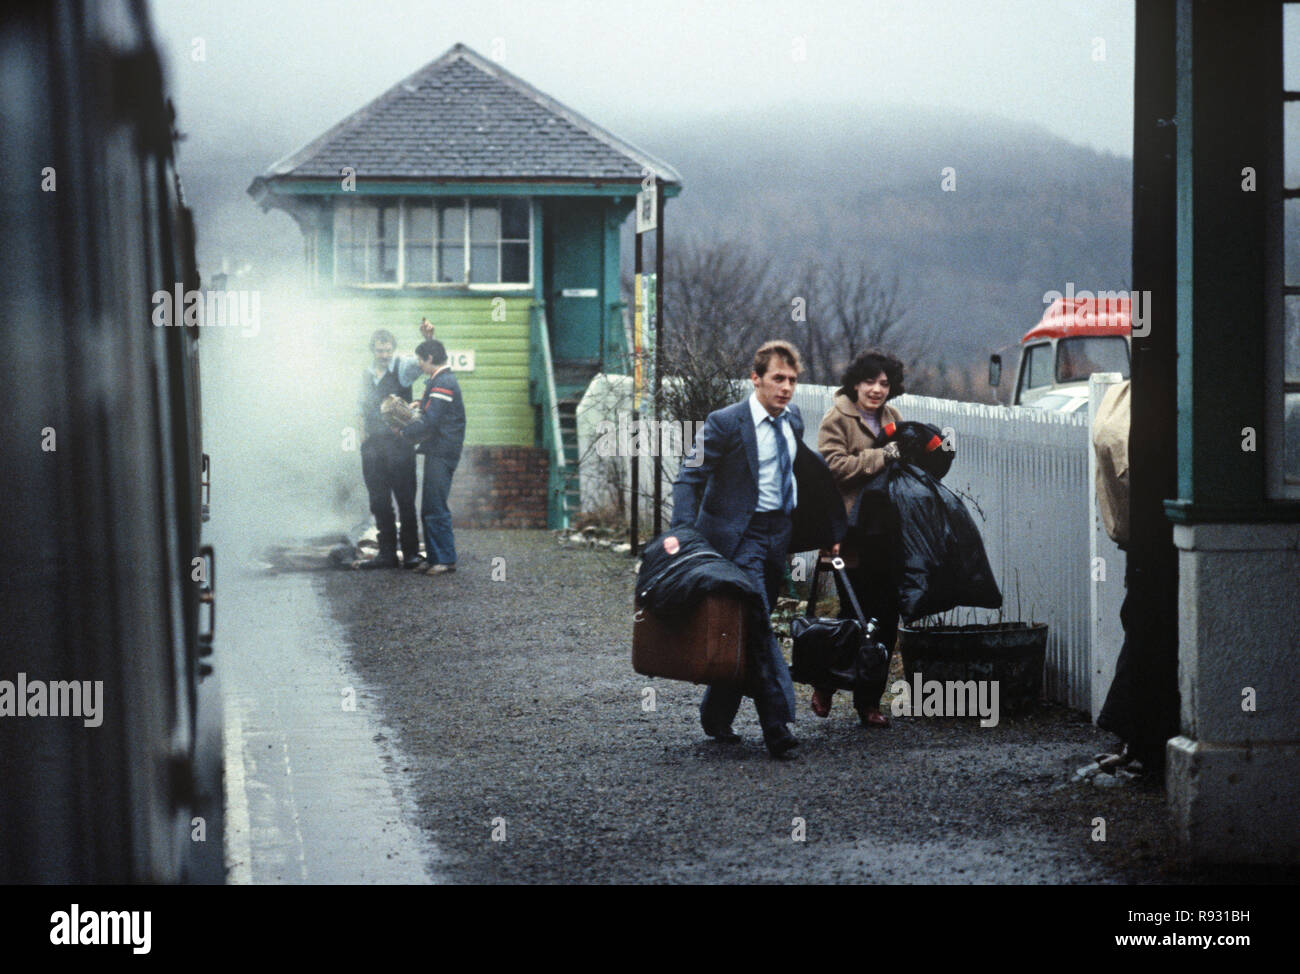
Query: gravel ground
[(515, 700)]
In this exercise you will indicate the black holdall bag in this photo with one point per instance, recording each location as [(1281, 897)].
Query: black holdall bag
[(921, 444), (840, 653)]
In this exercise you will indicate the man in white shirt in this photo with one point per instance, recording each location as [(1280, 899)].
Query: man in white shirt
[(742, 490)]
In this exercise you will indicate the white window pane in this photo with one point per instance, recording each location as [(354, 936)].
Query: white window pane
[(355, 223), (483, 264), (381, 261), (388, 225), (343, 225), (419, 263), (453, 222), (357, 240), (365, 222), (451, 263), (485, 224), (352, 265), (419, 223), (419, 243), (343, 266)]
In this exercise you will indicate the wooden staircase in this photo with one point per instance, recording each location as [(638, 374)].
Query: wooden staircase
[(556, 389), (571, 485)]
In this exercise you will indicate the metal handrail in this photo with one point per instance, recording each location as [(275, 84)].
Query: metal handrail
[(551, 425), (548, 370)]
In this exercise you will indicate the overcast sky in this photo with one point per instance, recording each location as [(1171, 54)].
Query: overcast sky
[(285, 70)]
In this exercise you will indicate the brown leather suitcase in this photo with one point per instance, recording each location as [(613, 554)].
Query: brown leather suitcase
[(706, 647)]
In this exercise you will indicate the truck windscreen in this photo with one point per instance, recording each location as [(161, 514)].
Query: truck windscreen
[(1078, 358)]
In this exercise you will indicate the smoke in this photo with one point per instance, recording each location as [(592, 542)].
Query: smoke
[(279, 413)]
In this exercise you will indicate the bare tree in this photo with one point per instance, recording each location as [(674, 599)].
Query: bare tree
[(719, 304), (722, 301), (719, 296), (853, 307)]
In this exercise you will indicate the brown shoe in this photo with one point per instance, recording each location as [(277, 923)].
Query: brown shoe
[(821, 702), (874, 718)]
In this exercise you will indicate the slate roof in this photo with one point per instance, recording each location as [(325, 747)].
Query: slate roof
[(464, 117)]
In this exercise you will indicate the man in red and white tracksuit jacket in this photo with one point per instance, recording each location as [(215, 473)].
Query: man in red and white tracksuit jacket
[(439, 432)]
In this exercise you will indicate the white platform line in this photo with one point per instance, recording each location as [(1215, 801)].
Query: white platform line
[(293, 808), (239, 850)]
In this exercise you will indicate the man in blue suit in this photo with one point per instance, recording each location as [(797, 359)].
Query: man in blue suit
[(757, 492)]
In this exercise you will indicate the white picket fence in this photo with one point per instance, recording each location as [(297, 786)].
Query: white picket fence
[(1026, 475)]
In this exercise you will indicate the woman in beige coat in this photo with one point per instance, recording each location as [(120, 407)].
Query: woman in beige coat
[(847, 440)]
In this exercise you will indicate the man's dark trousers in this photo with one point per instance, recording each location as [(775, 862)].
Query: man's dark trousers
[(439, 542), (388, 468), (762, 556)]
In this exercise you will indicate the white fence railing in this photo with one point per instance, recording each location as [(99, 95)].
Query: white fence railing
[(1026, 475)]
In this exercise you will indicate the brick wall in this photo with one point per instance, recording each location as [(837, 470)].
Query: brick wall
[(500, 487)]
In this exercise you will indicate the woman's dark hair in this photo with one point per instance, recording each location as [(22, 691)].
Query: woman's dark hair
[(866, 367)]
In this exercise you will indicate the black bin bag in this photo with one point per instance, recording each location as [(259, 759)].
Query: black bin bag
[(941, 557)]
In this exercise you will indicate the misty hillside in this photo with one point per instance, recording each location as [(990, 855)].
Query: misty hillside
[(1030, 211)]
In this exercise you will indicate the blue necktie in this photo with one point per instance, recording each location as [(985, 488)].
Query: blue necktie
[(783, 460)]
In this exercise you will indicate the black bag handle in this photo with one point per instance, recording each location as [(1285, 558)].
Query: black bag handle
[(837, 564)]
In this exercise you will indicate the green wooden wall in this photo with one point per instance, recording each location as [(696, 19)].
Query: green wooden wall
[(497, 408)]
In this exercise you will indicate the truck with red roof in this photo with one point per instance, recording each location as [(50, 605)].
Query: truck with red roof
[(1076, 337)]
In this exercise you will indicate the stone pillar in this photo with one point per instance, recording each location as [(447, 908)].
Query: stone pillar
[(1233, 776)]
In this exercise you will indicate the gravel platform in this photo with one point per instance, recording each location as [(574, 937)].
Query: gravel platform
[(518, 713)]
